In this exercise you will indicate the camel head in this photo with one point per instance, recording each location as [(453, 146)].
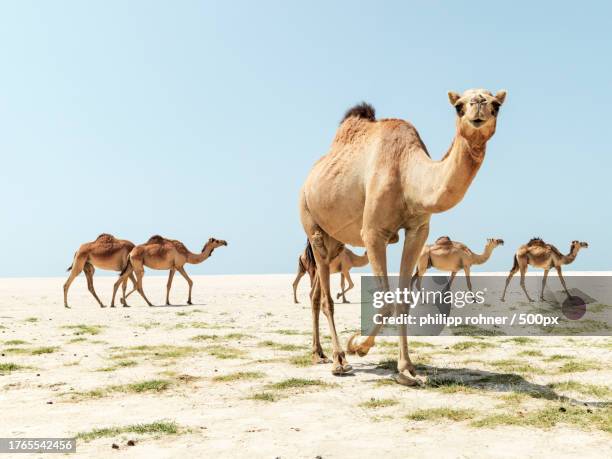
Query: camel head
[(495, 242), (577, 245), (213, 243), (477, 111)]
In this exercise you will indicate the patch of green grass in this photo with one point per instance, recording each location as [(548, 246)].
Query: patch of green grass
[(530, 353), (388, 364), (155, 352), (44, 350), (293, 383), (301, 360), (375, 403), (31, 319), (436, 414), (15, 342), (199, 338), (239, 376), (6, 368), (151, 385), (84, 329), (464, 345), (576, 366), (522, 340), (155, 428), (120, 364), (291, 332), (556, 357), (80, 339), (385, 382), (237, 336), (550, 416), (225, 352), (280, 346), (597, 390), (472, 330), (264, 397), (16, 350), (449, 386), (513, 366), (149, 325), (202, 325)]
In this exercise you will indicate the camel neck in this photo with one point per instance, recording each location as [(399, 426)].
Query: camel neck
[(440, 185), (484, 256), (357, 260), (570, 257), (195, 258)]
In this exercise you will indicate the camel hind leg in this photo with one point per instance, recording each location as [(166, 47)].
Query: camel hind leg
[(345, 275), (300, 273), (325, 249), (89, 270), (77, 266)]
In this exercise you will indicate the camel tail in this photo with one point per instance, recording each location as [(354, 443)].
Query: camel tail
[(312, 263), (515, 264), (127, 265)]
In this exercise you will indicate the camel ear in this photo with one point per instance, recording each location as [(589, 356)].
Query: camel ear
[(501, 96), (453, 97)]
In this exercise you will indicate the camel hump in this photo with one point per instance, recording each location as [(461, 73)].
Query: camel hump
[(363, 110), (105, 237), (443, 240), (155, 239), (535, 241), (180, 247)]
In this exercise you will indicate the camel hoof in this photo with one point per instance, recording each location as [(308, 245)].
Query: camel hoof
[(320, 359), (347, 368), (125, 305), (408, 380), (339, 369), (502, 300), (345, 301), (189, 302), (112, 305), (338, 296), (66, 306), (102, 306), (168, 304)]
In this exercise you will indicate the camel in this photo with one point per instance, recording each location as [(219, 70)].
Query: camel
[(106, 252), (341, 264), (447, 255), (539, 254), (376, 179), (161, 253)]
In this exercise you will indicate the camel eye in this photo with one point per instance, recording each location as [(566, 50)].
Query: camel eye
[(459, 109)]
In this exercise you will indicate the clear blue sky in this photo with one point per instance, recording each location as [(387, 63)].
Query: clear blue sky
[(198, 119)]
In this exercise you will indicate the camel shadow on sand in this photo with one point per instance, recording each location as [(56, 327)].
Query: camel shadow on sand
[(481, 380)]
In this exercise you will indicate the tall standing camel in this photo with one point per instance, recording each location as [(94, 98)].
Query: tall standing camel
[(161, 253), (447, 255), (106, 252), (542, 255), (341, 264), (376, 179)]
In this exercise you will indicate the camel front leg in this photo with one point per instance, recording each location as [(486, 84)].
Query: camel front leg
[(77, 266), (544, 284), (413, 244), (121, 280), (89, 270), (466, 270), (124, 296), (376, 246), (133, 279), (189, 281), (169, 285), (450, 281), (558, 268), (523, 270)]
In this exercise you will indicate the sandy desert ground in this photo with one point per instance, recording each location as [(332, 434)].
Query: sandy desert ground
[(230, 377)]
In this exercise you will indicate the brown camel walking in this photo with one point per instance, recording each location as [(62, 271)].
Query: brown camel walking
[(539, 254), (161, 253), (377, 179), (447, 255), (106, 252), (341, 264)]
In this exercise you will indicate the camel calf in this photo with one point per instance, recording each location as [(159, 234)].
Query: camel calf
[(342, 264)]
